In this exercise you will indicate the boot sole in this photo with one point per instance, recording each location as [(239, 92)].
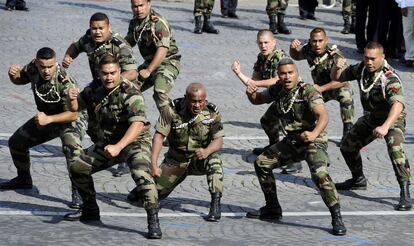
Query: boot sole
[(402, 209), (340, 233), (352, 188)]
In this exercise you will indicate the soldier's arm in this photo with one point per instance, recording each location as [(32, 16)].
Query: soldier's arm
[(71, 54), (395, 111), (43, 119), (130, 35), (338, 69), (295, 50), (155, 153), (16, 75), (134, 129), (329, 86), (130, 75), (159, 56), (321, 123), (257, 97), (246, 80)]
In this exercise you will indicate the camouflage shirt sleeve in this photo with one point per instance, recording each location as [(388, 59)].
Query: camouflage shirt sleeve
[(80, 44), (135, 107), (84, 98), (312, 96), (303, 52), (350, 73), (130, 37), (162, 34), (163, 124), (68, 83), (394, 90), (217, 129), (24, 73), (125, 56)]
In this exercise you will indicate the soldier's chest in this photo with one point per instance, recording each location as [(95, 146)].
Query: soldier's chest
[(195, 129)]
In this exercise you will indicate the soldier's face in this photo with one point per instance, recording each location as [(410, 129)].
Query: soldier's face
[(47, 68), (110, 75), (196, 100), (318, 42), (373, 59), (100, 31), (266, 44), (140, 8), (288, 75)]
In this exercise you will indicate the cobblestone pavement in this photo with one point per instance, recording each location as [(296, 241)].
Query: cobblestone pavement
[(35, 217)]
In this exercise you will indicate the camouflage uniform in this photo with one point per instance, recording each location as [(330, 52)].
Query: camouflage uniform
[(118, 47), (276, 7), (186, 134), (376, 104), (150, 34), (50, 98), (203, 7), (321, 75), (115, 111), (348, 9), (266, 68), (291, 149)]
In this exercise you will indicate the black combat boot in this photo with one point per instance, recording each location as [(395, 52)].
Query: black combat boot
[(208, 27), (22, 181), (197, 21), (154, 230), (357, 182), (405, 199), (346, 128), (352, 29), (338, 227), (76, 199), (271, 211), (273, 24), (88, 212), (281, 26), (347, 26), (215, 208), (121, 170), (292, 168)]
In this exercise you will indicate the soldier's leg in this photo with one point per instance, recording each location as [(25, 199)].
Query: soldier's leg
[(270, 124), (26, 137), (163, 82), (71, 138), (359, 136), (346, 15), (281, 12), (346, 105), (172, 174), (207, 25), (353, 16), (395, 145), (224, 7), (317, 159), (232, 7)]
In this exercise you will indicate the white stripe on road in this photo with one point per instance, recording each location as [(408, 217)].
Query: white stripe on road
[(172, 215)]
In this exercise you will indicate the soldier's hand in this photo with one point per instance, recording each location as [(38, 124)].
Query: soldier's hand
[(295, 44), (14, 70), (308, 136), (202, 153), (236, 67), (156, 171), (67, 61), (112, 150), (144, 73), (73, 93), (318, 88), (380, 131), (42, 119), (340, 64), (251, 88)]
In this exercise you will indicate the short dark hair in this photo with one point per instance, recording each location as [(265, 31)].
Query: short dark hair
[(285, 61), (45, 53), (317, 30), (374, 45), (108, 59), (99, 17)]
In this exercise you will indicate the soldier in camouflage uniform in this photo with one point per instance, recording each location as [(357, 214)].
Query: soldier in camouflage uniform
[(49, 83), (277, 8), (301, 109), (203, 8), (349, 14), (321, 58), (265, 75), (120, 114), (228, 8), (384, 116), (98, 41), (152, 34), (195, 134)]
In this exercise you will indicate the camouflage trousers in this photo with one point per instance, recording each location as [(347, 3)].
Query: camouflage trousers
[(203, 7), (136, 155), (30, 135), (174, 172), (361, 135), (270, 124), (348, 8), (276, 7), (163, 81), (291, 149), (346, 104)]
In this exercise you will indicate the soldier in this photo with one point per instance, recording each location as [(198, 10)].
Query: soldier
[(120, 113), (321, 58), (195, 134), (384, 116), (204, 8), (152, 34), (277, 8), (49, 83), (98, 41), (349, 15), (265, 75), (228, 8), (301, 110)]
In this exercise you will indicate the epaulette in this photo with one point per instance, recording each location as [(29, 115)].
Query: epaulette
[(212, 107), (115, 40), (176, 103)]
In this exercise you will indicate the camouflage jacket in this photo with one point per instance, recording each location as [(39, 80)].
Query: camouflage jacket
[(50, 96), (378, 90), (151, 33), (321, 69), (115, 110), (116, 46), (186, 132), (266, 67), (294, 107)]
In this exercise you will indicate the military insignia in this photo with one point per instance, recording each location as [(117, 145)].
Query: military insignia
[(154, 18)]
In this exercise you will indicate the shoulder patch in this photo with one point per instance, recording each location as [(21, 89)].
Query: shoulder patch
[(212, 107), (154, 18), (118, 42)]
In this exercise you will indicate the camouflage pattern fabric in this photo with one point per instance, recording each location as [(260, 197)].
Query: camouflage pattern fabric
[(203, 7), (187, 133), (276, 7), (292, 149), (348, 9)]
